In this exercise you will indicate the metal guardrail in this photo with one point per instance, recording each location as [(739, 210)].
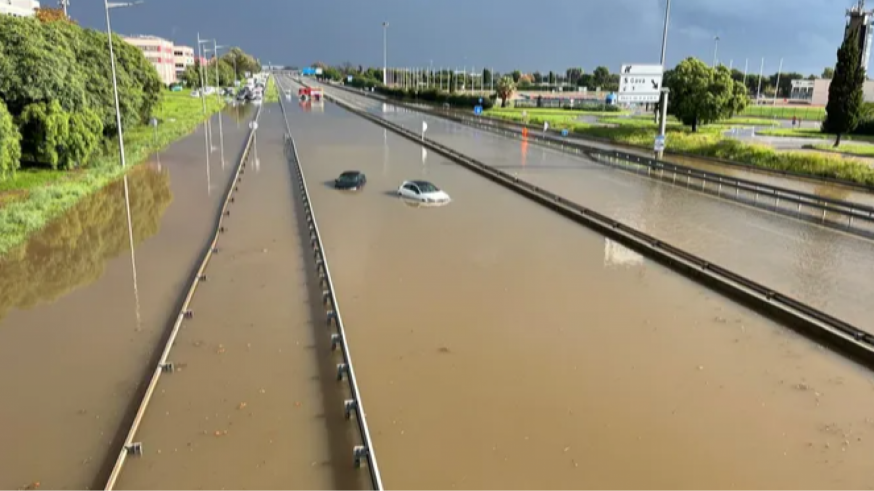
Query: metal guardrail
[(844, 215), (131, 447), (452, 114), (841, 335), (345, 370)]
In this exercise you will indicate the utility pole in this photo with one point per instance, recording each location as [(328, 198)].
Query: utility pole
[(64, 4)]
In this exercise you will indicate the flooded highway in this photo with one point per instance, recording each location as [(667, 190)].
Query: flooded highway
[(76, 332), (818, 265), (254, 405), (812, 186), (499, 345)]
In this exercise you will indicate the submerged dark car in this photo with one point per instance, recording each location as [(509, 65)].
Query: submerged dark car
[(350, 180)]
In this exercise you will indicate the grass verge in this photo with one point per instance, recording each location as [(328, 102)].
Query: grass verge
[(271, 94), (859, 150), (810, 133), (33, 197), (786, 112), (709, 142)]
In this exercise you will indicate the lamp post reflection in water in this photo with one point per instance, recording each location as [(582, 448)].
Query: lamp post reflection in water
[(385, 151), (253, 125), (107, 6), (154, 123)]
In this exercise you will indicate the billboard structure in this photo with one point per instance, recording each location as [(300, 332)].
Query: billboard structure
[(640, 83), (859, 20)]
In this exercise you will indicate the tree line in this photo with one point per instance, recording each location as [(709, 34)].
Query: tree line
[(232, 66), (56, 98)]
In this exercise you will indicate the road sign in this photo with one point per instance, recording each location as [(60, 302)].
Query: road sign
[(659, 145), (349, 78), (480, 100), (477, 110), (564, 132), (640, 83)]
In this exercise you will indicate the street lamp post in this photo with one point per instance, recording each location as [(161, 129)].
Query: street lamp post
[(130, 230), (111, 5), (664, 98), (384, 52), (215, 48), (715, 49), (206, 128)]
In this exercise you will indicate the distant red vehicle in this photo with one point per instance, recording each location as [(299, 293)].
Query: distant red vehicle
[(314, 94)]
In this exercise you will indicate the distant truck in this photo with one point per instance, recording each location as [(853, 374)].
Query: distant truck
[(314, 94)]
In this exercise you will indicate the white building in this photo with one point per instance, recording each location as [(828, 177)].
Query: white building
[(18, 8), (183, 58), (159, 52), (815, 92)]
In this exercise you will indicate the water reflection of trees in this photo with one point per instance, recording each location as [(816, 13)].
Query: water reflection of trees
[(240, 113), (74, 248)]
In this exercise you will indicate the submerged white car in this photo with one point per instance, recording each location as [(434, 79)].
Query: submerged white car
[(422, 191)]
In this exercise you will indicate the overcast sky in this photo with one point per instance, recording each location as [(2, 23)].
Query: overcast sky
[(504, 34)]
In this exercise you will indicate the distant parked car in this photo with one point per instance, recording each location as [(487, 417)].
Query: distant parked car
[(350, 180), (422, 191)]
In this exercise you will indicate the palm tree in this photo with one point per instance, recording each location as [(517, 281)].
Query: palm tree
[(506, 87)]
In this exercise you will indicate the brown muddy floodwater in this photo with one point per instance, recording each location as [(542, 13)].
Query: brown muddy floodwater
[(76, 333), (255, 404), (499, 345), (818, 265)]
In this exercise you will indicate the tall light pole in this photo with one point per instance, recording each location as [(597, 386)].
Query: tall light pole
[(664, 95), (130, 230), (111, 5), (64, 4), (777, 88), (206, 128), (761, 74), (384, 52), (215, 48), (715, 49)]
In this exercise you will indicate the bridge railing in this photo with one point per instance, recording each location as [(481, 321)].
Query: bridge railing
[(354, 405)]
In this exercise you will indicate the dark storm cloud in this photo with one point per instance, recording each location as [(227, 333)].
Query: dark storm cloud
[(505, 34)]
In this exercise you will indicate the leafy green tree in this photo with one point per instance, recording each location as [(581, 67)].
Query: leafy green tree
[(83, 138), (574, 75), (551, 78), (487, 76), (37, 65), (191, 75), (506, 87), (225, 73), (46, 129), (516, 76), (828, 73), (844, 107), (10, 144), (701, 94), (244, 62), (601, 77)]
